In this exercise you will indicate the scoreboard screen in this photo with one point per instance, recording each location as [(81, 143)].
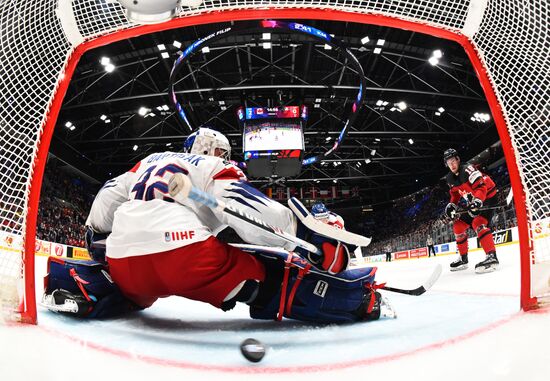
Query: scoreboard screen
[(273, 136)]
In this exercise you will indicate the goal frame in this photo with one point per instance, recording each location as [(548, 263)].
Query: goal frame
[(28, 308)]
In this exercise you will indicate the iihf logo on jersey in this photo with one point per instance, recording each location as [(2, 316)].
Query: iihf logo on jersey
[(179, 236)]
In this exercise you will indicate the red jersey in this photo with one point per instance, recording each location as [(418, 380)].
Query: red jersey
[(470, 180)]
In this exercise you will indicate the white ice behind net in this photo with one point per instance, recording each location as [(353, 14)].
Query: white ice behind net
[(513, 40)]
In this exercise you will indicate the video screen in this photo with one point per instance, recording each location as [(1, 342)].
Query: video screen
[(273, 136)]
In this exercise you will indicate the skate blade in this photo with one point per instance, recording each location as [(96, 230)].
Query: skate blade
[(485, 270), (461, 267)]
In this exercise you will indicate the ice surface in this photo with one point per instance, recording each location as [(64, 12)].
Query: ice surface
[(468, 325)]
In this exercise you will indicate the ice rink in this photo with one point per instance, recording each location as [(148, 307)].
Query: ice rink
[(467, 327)]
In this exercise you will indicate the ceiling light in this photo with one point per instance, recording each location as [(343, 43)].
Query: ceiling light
[(205, 50), (328, 47), (68, 124), (328, 139), (473, 119), (107, 120), (143, 110), (379, 102), (109, 68), (411, 141), (221, 103), (367, 161), (334, 181), (135, 147), (165, 55), (165, 107), (441, 109), (372, 152), (103, 117), (377, 140), (161, 47), (159, 108), (223, 108), (433, 61), (168, 144), (364, 40), (316, 105), (377, 50), (317, 100), (72, 128), (380, 42), (105, 61), (358, 164), (266, 36), (401, 105), (267, 45), (437, 113), (176, 44), (385, 103), (437, 54)]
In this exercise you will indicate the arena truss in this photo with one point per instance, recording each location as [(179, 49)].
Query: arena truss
[(42, 42)]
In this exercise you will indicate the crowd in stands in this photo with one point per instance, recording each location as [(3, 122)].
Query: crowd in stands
[(410, 220), (64, 204)]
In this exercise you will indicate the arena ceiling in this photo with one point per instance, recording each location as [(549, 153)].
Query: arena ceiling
[(388, 153)]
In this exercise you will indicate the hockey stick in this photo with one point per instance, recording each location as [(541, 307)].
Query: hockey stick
[(181, 189), (421, 289)]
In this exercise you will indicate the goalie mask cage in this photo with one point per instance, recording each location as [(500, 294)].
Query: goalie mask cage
[(42, 41)]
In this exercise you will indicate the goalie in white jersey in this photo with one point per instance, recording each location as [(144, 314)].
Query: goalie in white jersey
[(158, 247)]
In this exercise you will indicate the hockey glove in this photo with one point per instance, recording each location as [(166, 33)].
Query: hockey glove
[(474, 206), (450, 210)]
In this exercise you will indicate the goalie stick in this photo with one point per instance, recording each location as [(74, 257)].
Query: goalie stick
[(421, 289), (181, 189)]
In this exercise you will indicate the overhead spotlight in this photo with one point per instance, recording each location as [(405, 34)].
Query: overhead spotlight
[(402, 106), (316, 105), (105, 61), (266, 36), (385, 103), (372, 152), (109, 68), (367, 161), (168, 144), (317, 100), (135, 147), (411, 141), (437, 113), (376, 140), (379, 102), (380, 42), (393, 109), (205, 50), (328, 47), (221, 102), (161, 47), (328, 139), (165, 55), (335, 163), (143, 111), (437, 54), (377, 51), (103, 117), (107, 121), (72, 128), (364, 40), (165, 108), (416, 180), (223, 108), (441, 109), (68, 124), (267, 45), (433, 61), (358, 164), (176, 44), (335, 181)]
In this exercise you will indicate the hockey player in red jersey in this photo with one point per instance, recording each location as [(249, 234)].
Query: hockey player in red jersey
[(479, 190)]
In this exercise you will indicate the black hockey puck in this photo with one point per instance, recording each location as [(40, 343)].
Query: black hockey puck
[(253, 350)]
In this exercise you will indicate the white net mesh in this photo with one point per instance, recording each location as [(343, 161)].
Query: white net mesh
[(513, 41)]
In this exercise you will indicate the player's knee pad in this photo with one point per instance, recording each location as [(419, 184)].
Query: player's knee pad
[(84, 288), (296, 290)]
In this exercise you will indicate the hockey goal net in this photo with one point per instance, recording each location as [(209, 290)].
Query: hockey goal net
[(506, 40)]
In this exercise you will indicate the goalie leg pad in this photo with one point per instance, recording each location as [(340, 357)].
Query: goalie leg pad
[(296, 290), (83, 288)]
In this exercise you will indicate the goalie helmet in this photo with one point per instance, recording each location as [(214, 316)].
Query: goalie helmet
[(319, 211), (206, 141), (449, 153)]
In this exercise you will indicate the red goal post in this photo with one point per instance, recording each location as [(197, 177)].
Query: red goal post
[(43, 41)]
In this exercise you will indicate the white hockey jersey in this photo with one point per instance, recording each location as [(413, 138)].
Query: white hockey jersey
[(151, 222)]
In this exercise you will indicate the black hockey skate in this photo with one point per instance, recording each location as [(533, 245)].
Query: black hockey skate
[(488, 265), (460, 264)]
